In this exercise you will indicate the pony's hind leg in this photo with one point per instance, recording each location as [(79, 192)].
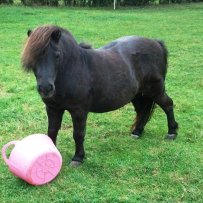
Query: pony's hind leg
[(144, 107), (166, 103)]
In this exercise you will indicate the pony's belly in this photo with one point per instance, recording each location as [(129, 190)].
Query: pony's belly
[(113, 99), (109, 104), (102, 108)]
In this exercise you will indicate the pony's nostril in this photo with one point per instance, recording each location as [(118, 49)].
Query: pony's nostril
[(46, 89), (40, 88), (50, 87)]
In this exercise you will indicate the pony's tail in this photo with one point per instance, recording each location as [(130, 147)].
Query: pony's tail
[(85, 45), (144, 111), (165, 53)]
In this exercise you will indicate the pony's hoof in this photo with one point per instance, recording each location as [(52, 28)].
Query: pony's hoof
[(135, 136), (75, 163), (171, 136)]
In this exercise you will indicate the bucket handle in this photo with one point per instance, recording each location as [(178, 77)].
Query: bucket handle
[(3, 151)]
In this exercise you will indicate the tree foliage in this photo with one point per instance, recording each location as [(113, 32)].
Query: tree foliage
[(95, 3), (6, 1)]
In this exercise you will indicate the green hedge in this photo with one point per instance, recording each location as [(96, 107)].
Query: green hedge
[(95, 3), (6, 1), (40, 2)]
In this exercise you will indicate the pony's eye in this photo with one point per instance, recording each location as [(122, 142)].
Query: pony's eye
[(57, 55), (34, 69)]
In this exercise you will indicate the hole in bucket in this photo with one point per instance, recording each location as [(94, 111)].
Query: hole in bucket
[(9, 150)]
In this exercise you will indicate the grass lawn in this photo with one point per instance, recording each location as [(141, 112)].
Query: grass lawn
[(117, 168)]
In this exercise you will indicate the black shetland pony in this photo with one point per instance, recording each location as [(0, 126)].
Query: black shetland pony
[(80, 79)]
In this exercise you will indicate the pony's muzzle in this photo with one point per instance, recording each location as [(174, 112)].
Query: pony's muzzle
[(46, 91)]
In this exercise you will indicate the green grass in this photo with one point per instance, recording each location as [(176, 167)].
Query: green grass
[(117, 168)]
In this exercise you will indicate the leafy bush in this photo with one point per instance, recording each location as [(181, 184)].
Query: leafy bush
[(40, 2), (6, 1), (96, 3), (135, 2)]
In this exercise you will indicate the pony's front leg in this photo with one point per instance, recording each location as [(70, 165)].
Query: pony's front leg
[(54, 121), (79, 118)]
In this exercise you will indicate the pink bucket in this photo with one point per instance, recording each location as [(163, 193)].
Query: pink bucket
[(34, 159)]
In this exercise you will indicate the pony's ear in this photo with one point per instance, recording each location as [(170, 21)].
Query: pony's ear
[(56, 34), (29, 32)]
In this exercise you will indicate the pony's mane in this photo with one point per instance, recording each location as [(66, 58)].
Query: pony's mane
[(36, 43)]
